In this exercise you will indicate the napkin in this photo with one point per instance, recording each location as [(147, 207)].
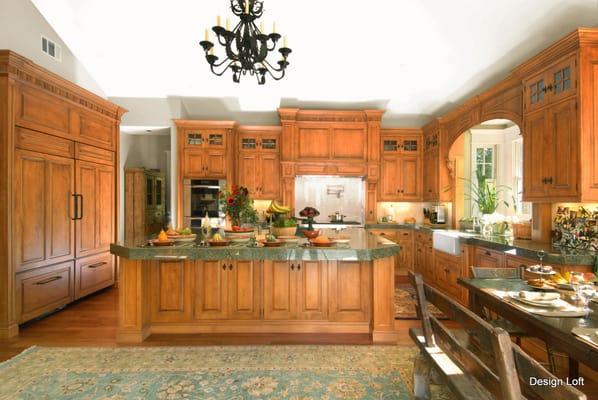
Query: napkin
[(539, 296)]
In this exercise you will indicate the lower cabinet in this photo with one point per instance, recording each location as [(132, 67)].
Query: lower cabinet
[(350, 291), (447, 269), (295, 290), (44, 289), (226, 289), (488, 258), (93, 273)]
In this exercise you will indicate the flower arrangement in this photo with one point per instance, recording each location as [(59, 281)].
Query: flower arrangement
[(576, 228), (238, 206)]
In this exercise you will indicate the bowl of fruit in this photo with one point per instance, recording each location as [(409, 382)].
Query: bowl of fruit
[(238, 232), (282, 223), (162, 240), (321, 241), (311, 234), (181, 235), (218, 241), (272, 241)]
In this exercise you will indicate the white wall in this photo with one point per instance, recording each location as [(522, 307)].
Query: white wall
[(149, 151), (155, 112), (21, 28)]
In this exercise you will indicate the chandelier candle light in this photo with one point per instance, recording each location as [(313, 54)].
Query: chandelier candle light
[(246, 46)]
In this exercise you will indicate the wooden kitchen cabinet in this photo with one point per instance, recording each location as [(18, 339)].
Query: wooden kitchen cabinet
[(401, 170), (280, 290), (204, 163), (404, 260), (551, 148), (93, 273), (95, 186), (548, 86), (44, 225), (430, 166), (349, 283), (145, 204), (259, 161), (43, 290), (487, 258), (312, 290), (447, 270), (227, 289)]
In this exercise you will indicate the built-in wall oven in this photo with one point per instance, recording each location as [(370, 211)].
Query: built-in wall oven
[(200, 196)]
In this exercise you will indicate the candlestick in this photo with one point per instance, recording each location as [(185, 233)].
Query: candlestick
[(246, 6), (227, 24), (285, 42), (262, 27), (273, 27), (207, 35), (212, 51), (218, 21)]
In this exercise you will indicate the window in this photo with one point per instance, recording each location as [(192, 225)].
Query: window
[(521, 206), (485, 157)]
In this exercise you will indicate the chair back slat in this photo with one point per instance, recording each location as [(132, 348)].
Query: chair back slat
[(529, 369), (468, 320), (505, 365), (422, 308), (496, 273), (465, 358)]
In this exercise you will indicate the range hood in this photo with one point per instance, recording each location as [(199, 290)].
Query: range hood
[(330, 194)]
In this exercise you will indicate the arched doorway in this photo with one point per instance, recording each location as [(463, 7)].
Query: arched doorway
[(489, 154)]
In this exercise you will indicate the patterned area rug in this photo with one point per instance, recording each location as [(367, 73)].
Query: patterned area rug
[(405, 303), (248, 372)]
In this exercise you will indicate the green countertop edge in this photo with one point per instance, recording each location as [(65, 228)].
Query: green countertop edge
[(247, 253), (520, 248)]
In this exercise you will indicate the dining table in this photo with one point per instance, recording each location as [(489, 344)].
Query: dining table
[(556, 331)]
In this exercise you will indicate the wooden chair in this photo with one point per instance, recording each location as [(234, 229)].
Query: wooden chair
[(476, 361), (512, 329)]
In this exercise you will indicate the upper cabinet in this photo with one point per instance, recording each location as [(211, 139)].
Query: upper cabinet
[(401, 165), (560, 121), (318, 142), (205, 149), (258, 161)]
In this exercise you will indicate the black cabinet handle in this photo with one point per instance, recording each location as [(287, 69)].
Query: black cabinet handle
[(230, 267), (52, 279), (292, 267), (224, 267), (549, 180), (80, 207), (298, 267), (75, 206), (97, 265)]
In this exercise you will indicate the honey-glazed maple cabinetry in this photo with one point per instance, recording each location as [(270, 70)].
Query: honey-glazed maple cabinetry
[(59, 143), (560, 121), (259, 161), (401, 165)]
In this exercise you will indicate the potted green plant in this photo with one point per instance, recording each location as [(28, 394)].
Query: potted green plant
[(487, 199), (238, 206)]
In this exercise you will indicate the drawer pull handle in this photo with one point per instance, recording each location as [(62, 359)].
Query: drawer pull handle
[(224, 267), (488, 253), (230, 267), (298, 267), (292, 267), (97, 265), (52, 279)]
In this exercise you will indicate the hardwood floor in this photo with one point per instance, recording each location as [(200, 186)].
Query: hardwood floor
[(92, 321)]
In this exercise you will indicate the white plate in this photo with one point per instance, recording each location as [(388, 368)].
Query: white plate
[(342, 241), (547, 304), (540, 272)]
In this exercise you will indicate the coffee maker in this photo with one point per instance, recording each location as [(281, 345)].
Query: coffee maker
[(438, 214)]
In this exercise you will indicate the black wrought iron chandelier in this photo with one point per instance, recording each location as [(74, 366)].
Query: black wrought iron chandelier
[(246, 46)]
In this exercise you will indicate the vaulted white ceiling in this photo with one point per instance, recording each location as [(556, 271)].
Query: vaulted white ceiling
[(413, 57)]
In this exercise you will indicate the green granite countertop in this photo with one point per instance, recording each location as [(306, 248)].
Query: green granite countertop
[(362, 246), (521, 248)]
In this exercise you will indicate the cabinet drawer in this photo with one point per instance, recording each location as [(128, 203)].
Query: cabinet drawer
[(43, 290), (93, 273), (489, 258), (347, 169), (404, 234), (390, 234), (35, 141), (422, 237)]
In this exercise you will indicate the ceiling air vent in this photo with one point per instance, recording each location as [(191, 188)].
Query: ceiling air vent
[(51, 48)]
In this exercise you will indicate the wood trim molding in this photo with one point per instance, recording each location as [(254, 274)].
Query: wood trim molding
[(198, 124), (338, 116), (24, 70)]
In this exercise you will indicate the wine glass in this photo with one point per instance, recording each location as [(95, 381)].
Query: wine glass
[(585, 293)]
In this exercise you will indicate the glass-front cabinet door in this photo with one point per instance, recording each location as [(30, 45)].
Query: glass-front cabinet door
[(255, 141), (194, 139), (149, 191), (205, 139), (401, 145), (562, 78)]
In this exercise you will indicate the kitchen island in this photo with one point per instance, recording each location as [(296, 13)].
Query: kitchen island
[(348, 288)]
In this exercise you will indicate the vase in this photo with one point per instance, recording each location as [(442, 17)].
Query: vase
[(499, 228)]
